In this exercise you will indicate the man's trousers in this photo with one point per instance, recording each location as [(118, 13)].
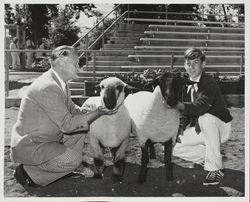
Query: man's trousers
[(61, 165)]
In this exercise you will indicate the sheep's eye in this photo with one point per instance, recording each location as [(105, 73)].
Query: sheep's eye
[(119, 88), (101, 86)]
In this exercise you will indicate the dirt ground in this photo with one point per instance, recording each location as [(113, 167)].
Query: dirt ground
[(187, 179)]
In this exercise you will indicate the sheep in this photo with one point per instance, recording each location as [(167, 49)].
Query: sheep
[(155, 120), (110, 131)]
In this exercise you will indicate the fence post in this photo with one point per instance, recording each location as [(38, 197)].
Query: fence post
[(6, 77), (94, 59), (128, 12), (86, 52), (241, 63), (202, 15), (166, 9), (172, 60), (115, 22), (103, 33)]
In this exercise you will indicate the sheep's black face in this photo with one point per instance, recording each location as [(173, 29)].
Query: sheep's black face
[(171, 84), (109, 98)]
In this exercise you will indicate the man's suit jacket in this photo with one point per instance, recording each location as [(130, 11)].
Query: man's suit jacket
[(45, 114), (209, 100)]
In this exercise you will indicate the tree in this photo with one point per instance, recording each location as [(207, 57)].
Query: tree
[(62, 30), (37, 17), (9, 16)]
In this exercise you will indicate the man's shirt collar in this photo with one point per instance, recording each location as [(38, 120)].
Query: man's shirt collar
[(63, 84), (195, 85), (197, 79)]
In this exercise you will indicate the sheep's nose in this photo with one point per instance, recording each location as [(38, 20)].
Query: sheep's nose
[(109, 103), (171, 101)]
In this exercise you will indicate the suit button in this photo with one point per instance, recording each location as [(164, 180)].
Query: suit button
[(81, 126)]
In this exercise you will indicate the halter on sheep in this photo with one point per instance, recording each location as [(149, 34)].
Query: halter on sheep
[(155, 120), (110, 131)]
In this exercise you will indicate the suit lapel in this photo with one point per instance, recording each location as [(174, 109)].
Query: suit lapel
[(54, 77)]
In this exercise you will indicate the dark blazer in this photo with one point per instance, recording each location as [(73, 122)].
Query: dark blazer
[(209, 100)]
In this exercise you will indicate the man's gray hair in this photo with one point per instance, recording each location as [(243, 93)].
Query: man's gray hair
[(62, 51)]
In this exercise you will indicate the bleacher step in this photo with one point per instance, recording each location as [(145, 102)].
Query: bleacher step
[(196, 28)]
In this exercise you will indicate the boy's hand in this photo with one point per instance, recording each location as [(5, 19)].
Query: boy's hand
[(179, 106)]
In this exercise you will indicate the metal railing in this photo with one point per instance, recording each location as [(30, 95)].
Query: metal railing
[(88, 47), (86, 37)]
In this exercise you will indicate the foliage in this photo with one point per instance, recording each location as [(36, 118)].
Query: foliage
[(62, 30), (98, 31), (76, 9), (37, 17), (147, 76), (41, 64), (9, 16), (207, 9)]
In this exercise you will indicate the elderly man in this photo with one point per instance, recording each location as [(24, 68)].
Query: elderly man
[(210, 120), (48, 137)]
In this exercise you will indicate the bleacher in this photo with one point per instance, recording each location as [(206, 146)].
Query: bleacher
[(224, 47), (160, 44)]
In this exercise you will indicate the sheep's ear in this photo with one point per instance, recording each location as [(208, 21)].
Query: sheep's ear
[(150, 86), (97, 90), (130, 90)]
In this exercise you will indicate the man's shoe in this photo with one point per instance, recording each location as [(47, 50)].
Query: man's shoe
[(213, 177), (22, 177)]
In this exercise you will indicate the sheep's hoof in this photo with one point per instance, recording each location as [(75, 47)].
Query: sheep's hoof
[(117, 178), (98, 175)]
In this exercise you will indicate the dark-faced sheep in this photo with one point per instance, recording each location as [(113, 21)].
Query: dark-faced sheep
[(155, 120)]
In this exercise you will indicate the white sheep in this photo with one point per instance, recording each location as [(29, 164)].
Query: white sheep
[(154, 120), (110, 131)]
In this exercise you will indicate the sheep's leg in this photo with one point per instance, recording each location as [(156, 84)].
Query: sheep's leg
[(167, 159), (119, 160), (99, 168), (151, 149), (98, 157), (144, 163)]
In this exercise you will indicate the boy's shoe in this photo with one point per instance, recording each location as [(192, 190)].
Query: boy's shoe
[(213, 177), (22, 177)]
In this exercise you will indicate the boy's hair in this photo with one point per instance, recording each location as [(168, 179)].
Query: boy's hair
[(194, 53)]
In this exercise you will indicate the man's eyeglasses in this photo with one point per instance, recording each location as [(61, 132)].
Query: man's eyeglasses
[(189, 63)]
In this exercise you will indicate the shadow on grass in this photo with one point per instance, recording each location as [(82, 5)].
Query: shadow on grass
[(187, 182)]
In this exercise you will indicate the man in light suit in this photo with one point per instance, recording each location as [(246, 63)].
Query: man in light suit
[(48, 137), (210, 120)]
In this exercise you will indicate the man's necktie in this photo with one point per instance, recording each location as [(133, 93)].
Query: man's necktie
[(66, 91)]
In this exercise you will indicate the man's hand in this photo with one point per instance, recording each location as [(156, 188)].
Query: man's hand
[(93, 115), (104, 111), (89, 108)]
